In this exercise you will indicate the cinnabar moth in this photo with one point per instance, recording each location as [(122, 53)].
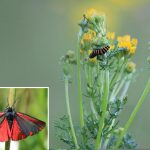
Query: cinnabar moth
[(100, 51), (16, 125)]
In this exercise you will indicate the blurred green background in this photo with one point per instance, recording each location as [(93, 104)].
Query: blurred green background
[(32, 101), (34, 34)]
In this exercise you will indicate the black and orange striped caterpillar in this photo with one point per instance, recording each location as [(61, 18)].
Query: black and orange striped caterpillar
[(99, 51)]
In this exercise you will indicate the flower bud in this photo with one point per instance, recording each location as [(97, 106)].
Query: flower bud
[(84, 25), (148, 59), (130, 67), (98, 19), (118, 131), (70, 54), (72, 61)]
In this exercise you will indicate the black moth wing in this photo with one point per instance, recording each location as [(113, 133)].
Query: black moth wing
[(2, 117)]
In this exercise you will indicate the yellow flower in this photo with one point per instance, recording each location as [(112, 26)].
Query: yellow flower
[(132, 50), (93, 33), (110, 35), (134, 41), (128, 43), (112, 47), (89, 35), (90, 12), (91, 59), (127, 38)]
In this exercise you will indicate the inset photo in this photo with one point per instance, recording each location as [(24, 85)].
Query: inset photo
[(24, 118)]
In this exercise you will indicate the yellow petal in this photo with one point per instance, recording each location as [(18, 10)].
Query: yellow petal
[(90, 12), (134, 41)]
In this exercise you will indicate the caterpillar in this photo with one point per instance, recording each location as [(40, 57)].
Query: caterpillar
[(100, 51)]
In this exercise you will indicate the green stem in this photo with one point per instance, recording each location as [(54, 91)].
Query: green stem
[(119, 87), (69, 114), (127, 80), (90, 76), (101, 82), (93, 109), (115, 81), (109, 135), (79, 82), (132, 116), (7, 145), (104, 109), (116, 77), (125, 89)]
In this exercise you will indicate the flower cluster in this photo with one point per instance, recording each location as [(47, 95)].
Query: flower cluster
[(95, 37), (67, 61), (128, 43)]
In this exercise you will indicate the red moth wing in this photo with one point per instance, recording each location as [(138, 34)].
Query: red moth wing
[(24, 125), (16, 132), (4, 128)]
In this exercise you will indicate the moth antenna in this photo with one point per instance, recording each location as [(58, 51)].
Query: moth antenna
[(16, 101), (6, 107), (7, 104)]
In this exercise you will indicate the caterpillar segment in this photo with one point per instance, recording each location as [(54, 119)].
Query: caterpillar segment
[(100, 51)]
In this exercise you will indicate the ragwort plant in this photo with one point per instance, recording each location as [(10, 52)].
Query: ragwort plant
[(106, 62)]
